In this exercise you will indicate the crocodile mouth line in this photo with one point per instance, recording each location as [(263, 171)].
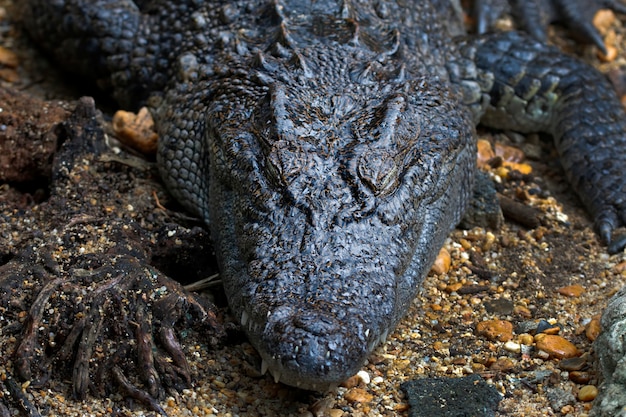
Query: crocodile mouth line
[(274, 364)]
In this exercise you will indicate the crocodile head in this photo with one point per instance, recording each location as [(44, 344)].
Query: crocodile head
[(329, 202)]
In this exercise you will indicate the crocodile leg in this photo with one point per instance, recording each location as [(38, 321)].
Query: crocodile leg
[(535, 15), (99, 41), (536, 87), (96, 39)]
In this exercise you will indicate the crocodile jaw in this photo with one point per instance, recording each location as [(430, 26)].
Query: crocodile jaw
[(312, 330)]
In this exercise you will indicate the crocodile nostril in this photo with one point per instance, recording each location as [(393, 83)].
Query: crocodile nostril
[(316, 322)]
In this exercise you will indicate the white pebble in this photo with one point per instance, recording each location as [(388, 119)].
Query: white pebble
[(562, 217), (543, 355), (377, 380), (365, 377), (513, 347)]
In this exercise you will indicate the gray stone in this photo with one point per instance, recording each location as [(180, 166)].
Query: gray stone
[(559, 398), (610, 349)]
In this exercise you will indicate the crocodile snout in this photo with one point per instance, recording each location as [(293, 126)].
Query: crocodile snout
[(307, 347)]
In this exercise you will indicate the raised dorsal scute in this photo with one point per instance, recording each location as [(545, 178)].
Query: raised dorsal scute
[(393, 48), (284, 37), (299, 61), (259, 61)]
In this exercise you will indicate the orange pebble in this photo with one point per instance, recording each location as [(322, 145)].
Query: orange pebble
[(136, 130), (358, 395), (556, 346), (593, 329), (572, 290), (501, 330), (442, 263)]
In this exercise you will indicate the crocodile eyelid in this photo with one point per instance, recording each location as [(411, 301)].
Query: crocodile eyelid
[(379, 171)]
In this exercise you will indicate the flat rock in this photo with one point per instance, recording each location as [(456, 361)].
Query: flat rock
[(451, 397), (501, 330)]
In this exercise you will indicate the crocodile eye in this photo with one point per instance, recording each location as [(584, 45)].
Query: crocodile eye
[(285, 162), (379, 171)]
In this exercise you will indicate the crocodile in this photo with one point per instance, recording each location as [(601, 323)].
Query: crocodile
[(330, 146)]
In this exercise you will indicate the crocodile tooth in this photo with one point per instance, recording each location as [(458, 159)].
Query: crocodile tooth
[(276, 374), (367, 333), (264, 366), (373, 343), (244, 318), (384, 336)]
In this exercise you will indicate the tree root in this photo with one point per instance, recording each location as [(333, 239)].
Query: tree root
[(117, 323)]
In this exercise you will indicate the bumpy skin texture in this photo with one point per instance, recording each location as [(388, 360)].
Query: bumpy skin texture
[(536, 88), (330, 145)]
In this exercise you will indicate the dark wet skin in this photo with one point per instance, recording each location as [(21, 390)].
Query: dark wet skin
[(330, 147)]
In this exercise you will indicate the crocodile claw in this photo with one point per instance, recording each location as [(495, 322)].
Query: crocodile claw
[(536, 15), (605, 225), (486, 12)]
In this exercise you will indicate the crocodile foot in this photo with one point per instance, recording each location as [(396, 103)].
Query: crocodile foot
[(536, 15)]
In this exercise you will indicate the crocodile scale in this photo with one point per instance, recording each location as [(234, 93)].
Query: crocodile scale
[(330, 145)]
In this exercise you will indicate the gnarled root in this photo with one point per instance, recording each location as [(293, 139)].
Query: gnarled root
[(116, 322)]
